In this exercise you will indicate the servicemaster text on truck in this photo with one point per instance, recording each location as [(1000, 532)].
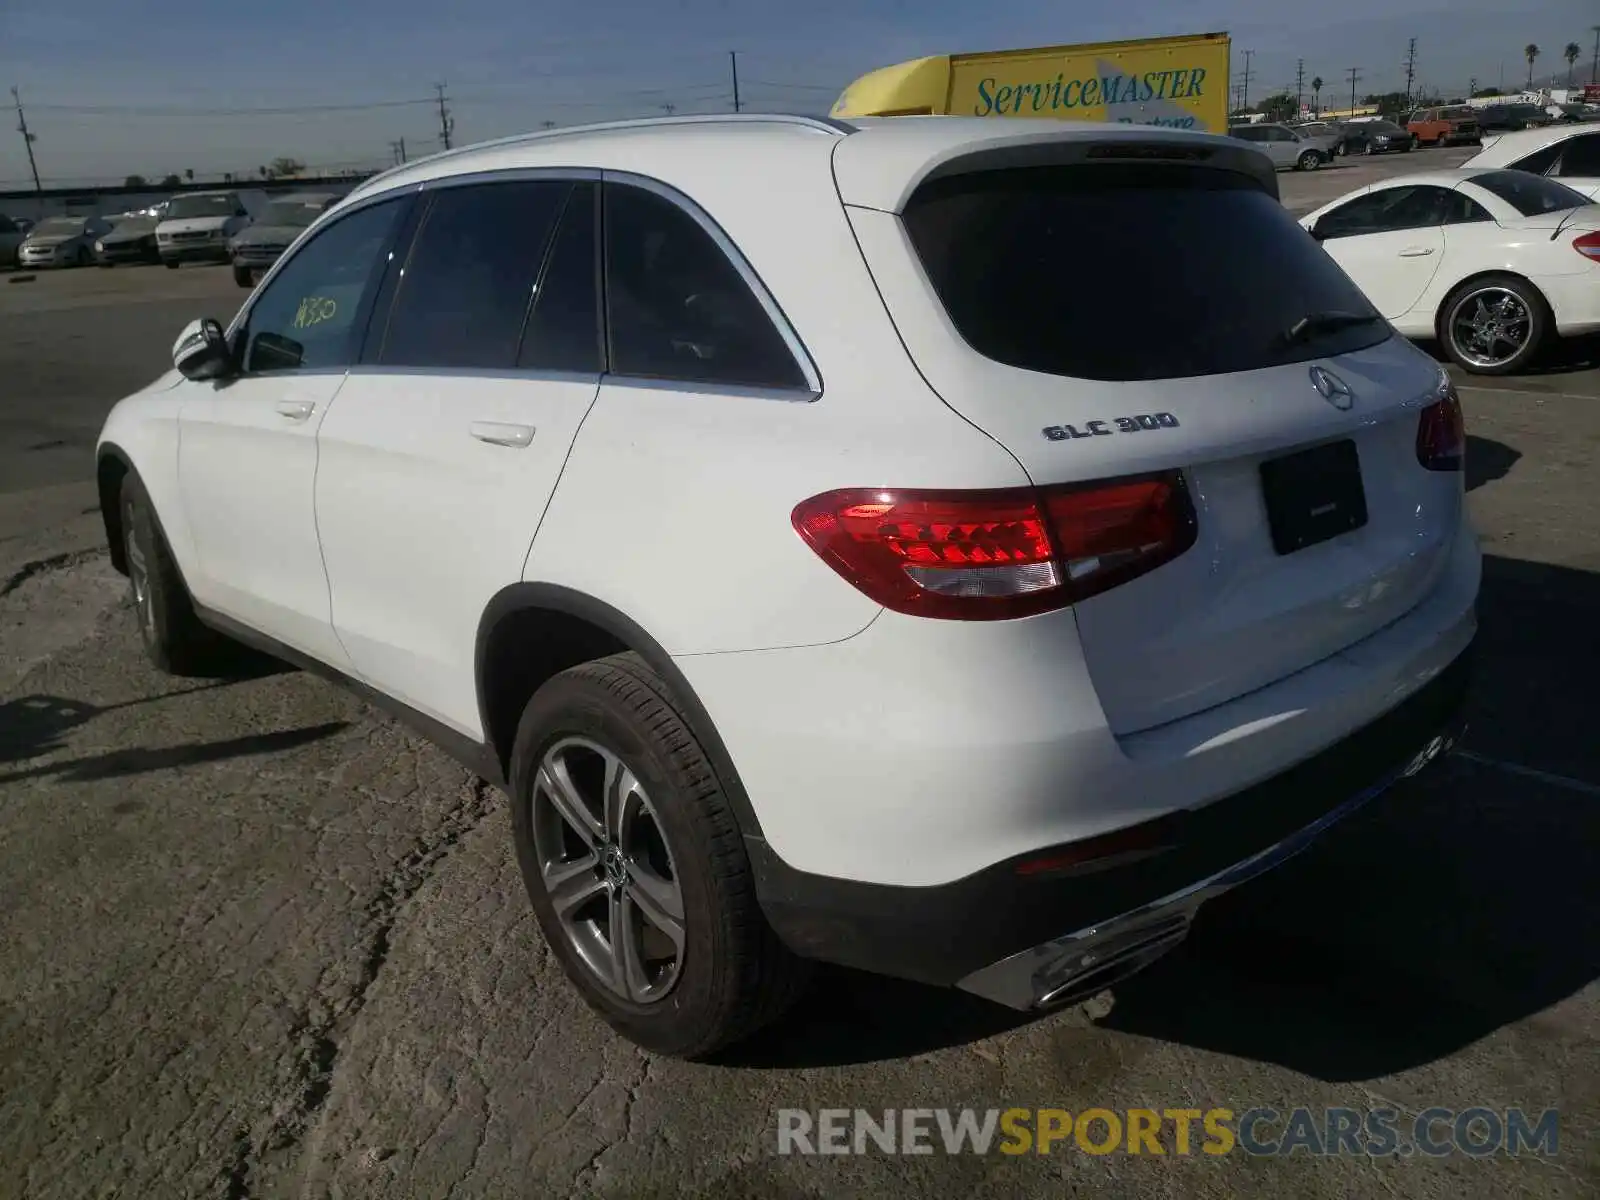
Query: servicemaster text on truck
[(1178, 82)]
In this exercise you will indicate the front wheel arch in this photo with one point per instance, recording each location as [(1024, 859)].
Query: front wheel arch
[(110, 469)]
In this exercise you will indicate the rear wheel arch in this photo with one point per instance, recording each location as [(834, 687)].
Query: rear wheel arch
[(110, 469), (1479, 277), (531, 632)]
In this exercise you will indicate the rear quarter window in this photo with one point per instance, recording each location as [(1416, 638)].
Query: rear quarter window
[(1128, 272)]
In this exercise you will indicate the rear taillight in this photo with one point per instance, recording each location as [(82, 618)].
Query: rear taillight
[(1442, 433), (1588, 245), (993, 555)]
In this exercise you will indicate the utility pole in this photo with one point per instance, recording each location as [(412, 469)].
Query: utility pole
[(1245, 92), (1355, 74), (1594, 67), (447, 124), (1411, 68), (27, 140), (1472, 87), (399, 150), (1299, 87), (733, 61), (669, 108)]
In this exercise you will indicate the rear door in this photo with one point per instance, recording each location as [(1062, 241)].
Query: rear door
[(1108, 320), (1390, 241), (447, 440)]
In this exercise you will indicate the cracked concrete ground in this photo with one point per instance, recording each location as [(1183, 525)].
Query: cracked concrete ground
[(257, 941)]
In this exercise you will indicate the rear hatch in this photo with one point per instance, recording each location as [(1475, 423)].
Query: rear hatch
[(1110, 318)]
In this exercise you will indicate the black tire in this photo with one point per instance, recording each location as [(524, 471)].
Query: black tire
[(169, 264), (1370, 148), (1309, 161), (1541, 323), (733, 976), (174, 639), (243, 277), (105, 266)]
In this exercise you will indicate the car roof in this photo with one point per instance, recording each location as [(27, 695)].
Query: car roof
[(1439, 178), (877, 161), (1504, 148)]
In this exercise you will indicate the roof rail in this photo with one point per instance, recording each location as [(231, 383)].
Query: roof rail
[(821, 124)]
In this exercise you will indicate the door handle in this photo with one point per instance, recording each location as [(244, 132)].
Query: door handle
[(1416, 251), (496, 434), (296, 410)]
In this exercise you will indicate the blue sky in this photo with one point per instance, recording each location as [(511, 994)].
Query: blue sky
[(114, 87)]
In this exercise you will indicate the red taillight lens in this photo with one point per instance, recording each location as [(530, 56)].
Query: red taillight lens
[(993, 555), (1588, 245), (1442, 434)]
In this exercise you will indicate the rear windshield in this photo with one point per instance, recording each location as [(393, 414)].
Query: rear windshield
[(1530, 195), (1130, 272)]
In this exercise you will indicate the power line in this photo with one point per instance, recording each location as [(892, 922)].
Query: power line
[(27, 139), (173, 111)]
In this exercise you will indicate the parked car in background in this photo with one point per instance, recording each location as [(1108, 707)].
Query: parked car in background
[(62, 242), (10, 240), (258, 246), (131, 240), (1333, 130), (1569, 153), (1496, 264), (1509, 118), (1375, 137), (1450, 126), (1286, 147), (198, 226)]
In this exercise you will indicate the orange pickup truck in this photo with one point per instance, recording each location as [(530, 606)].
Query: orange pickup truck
[(1444, 126)]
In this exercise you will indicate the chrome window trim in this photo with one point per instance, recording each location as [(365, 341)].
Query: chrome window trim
[(531, 375), (329, 217), (758, 288)]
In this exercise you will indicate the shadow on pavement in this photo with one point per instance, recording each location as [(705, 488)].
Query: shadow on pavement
[(1450, 909), (1456, 905), (1488, 460), (34, 725), (117, 763)]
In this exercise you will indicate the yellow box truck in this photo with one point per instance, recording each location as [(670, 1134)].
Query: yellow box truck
[(1179, 82)]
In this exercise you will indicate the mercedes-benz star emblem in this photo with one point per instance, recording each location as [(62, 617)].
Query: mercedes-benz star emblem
[(1332, 389)]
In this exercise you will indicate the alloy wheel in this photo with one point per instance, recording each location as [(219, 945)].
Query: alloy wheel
[(607, 868), (138, 577), (1490, 327)]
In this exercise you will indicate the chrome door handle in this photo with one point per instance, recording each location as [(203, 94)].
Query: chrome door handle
[(296, 410), (496, 434), (1416, 251)]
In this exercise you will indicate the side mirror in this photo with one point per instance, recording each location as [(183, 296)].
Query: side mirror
[(201, 351)]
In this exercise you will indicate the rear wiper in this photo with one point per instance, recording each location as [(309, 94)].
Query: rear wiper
[(1325, 322)]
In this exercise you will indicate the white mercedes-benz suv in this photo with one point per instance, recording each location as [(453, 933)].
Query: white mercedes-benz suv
[(947, 547)]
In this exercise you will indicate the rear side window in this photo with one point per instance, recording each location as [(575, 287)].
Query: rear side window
[(677, 308), (1129, 272), (463, 295), (563, 331), (1530, 195), (1581, 156), (1540, 162)]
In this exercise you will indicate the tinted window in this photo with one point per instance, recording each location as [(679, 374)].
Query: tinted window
[(1275, 134), (463, 294), (1248, 133), (677, 308), (1390, 209), (307, 315), (1581, 156), (1128, 272), (1461, 209), (563, 331), (1530, 195), (1541, 162)]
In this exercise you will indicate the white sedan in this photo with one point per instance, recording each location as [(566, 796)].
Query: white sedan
[(1493, 263)]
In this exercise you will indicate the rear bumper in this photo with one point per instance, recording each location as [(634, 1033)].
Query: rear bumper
[(197, 252), (1031, 938)]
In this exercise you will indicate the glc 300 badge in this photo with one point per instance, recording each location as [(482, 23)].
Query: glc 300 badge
[(1133, 424)]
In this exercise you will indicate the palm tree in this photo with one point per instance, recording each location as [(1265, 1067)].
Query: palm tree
[(1530, 52), (1572, 54), (1316, 93)]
